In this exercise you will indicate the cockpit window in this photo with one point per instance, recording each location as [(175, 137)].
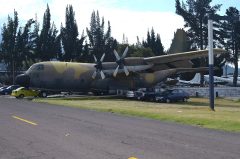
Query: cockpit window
[(38, 67)]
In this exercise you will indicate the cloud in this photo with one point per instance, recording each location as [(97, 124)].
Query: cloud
[(132, 23)]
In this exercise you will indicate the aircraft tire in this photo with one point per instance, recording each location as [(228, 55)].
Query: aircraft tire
[(21, 96), (43, 94)]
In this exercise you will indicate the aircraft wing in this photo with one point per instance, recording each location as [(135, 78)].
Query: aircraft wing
[(139, 64), (180, 56)]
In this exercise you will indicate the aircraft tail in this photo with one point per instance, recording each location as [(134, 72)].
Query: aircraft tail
[(196, 78)]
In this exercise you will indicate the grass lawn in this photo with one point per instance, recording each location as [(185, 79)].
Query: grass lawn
[(194, 112)]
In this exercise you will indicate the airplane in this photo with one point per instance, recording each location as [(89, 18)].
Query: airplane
[(126, 73), (193, 82), (228, 80), (196, 80)]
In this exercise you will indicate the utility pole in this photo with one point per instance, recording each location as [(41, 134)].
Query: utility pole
[(210, 53), (211, 63)]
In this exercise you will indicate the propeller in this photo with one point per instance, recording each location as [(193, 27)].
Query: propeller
[(98, 67), (120, 61)]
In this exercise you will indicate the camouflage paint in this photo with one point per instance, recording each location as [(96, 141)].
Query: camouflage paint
[(144, 72)]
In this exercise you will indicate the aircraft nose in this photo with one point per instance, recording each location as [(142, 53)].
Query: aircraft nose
[(23, 80)]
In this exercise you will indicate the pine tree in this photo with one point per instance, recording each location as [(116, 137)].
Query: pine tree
[(100, 42), (23, 46), (154, 42), (46, 46), (69, 34), (232, 39), (195, 14), (34, 41), (9, 35)]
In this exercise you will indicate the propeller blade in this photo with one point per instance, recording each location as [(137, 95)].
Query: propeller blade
[(126, 70), (125, 52), (116, 55), (94, 74), (102, 57), (102, 75), (95, 59), (116, 71)]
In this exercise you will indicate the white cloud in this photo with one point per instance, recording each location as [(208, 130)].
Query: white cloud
[(123, 21)]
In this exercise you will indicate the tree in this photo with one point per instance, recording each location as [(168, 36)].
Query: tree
[(9, 35), (232, 40), (23, 48), (141, 52), (34, 41), (195, 14), (154, 42), (47, 44), (69, 34), (100, 42)]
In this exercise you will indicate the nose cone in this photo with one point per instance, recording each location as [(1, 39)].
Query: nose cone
[(23, 80)]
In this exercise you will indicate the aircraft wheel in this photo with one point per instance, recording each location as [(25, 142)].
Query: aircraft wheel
[(21, 96), (43, 94)]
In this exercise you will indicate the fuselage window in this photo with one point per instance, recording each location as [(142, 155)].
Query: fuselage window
[(40, 67)]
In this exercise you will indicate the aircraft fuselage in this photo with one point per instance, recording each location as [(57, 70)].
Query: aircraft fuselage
[(70, 76)]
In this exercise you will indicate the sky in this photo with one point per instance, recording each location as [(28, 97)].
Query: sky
[(129, 17)]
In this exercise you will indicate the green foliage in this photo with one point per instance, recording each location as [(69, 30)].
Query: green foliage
[(72, 45), (100, 41), (22, 46), (16, 45), (48, 43), (135, 50), (154, 42), (142, 52), (9, 35), (195, 14), (24, 52), (231, 39)]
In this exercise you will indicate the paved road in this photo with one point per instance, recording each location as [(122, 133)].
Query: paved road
[(40, 131)]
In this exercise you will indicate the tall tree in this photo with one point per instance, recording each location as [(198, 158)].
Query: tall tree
[(47, 40), (154, 42), (24, 52), (71, 44), (34, 38), (195, 14), (9, 35), (232, 39), (100, 41)]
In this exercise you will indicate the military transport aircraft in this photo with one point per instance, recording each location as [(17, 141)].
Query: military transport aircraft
[(125, 73)]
